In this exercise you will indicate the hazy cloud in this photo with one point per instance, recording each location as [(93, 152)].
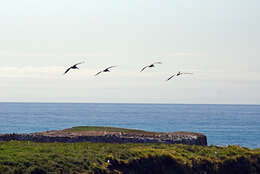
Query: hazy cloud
[(44, 54), (39, 72), (183, 54)]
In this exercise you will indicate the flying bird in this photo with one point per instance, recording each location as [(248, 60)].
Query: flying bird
[(178, 74), (150, 66), (105, 70), (73, 67)]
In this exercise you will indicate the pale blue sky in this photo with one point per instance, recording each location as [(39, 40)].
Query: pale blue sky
[(216, 40)]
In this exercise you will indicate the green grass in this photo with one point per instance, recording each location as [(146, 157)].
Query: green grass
[(28, 157), (108, 129)]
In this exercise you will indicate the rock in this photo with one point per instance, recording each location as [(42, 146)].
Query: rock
[(189, 138)]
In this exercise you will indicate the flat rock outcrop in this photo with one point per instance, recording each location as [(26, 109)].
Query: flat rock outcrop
[(118, 136)]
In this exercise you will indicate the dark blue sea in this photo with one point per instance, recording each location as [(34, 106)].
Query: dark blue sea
[(222, 124)]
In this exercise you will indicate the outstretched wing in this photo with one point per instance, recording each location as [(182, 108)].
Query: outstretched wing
[(157, 63), (143, 68), (110, 67), (170, 77), (98, 73), (79, 63), (67, 70)]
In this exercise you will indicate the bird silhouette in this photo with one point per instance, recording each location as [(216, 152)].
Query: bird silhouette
[(105, 70), (73, 67), (178, 74), (150, 66)]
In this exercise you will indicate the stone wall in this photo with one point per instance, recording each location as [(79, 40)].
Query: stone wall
[(190, 139)]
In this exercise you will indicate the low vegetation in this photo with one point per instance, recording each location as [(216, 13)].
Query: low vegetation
[(107, 129), (28, 157)]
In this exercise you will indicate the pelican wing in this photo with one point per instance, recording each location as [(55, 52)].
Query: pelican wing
[(79, 63), (67, 70), (170, 77), (98, 73), (143, 68), (110, 67)]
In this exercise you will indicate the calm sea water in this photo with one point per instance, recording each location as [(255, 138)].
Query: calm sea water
[(223, 124)]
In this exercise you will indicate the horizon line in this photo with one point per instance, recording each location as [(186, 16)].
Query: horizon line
[(142, 103)]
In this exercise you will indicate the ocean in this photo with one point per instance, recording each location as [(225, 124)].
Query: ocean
[(222, 124)]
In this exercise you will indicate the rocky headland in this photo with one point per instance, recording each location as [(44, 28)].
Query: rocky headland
[(109, 135)]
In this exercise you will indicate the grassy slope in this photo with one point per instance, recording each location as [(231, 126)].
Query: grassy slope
[(28, 157), (123, 130), (108, 129)]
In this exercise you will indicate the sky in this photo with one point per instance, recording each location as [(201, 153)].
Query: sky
[(217, 41)]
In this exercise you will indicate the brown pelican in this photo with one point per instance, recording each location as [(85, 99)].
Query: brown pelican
[(150, 66), (105, 70), (178, 74), (73, 67)]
